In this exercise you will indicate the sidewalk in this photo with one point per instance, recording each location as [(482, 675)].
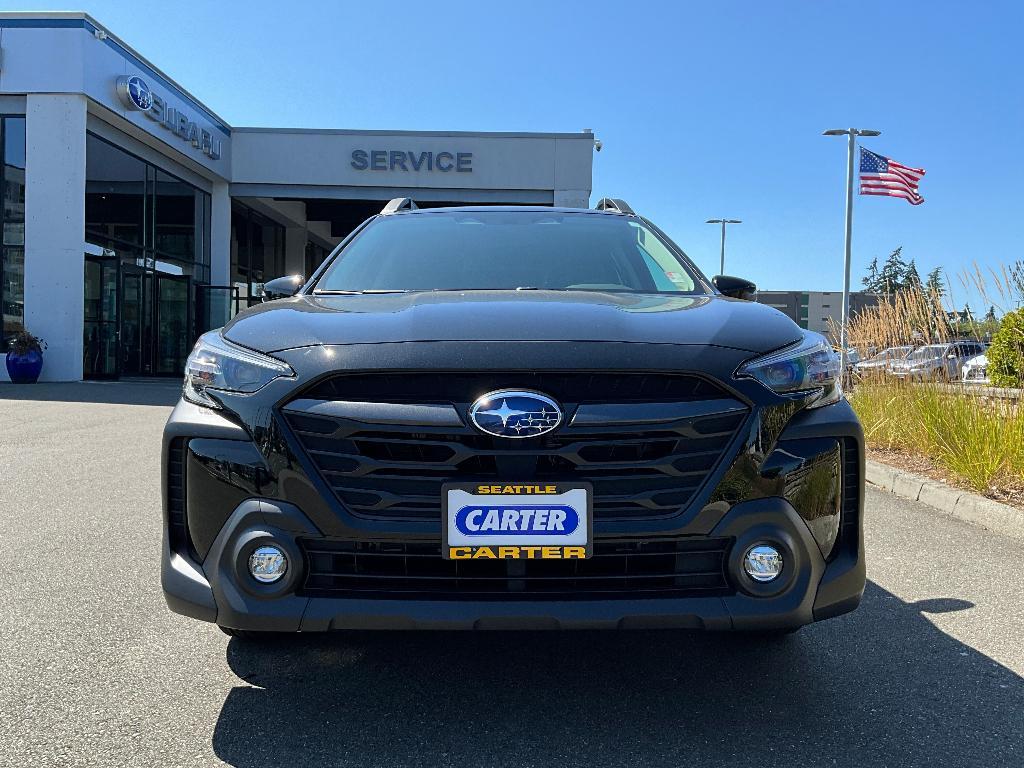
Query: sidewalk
[(957, 503)]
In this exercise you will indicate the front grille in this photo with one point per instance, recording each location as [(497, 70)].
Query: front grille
[(177, 522), (657, 568), (396, 471), (467, 386)]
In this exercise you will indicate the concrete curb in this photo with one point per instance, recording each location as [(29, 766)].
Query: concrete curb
[(954, 502)]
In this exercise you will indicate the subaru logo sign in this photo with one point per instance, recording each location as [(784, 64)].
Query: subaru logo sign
[(513, 413), (137, 96), (135, 93)]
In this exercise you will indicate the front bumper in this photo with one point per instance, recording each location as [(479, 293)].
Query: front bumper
[(754, 501), (809, 588)]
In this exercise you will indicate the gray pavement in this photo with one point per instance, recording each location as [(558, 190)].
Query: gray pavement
[(95, 671)]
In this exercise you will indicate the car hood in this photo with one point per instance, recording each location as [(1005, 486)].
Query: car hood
[(304, 321)]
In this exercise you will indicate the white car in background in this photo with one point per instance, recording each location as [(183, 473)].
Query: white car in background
[(880, 362), (975, 371), (937, 362)]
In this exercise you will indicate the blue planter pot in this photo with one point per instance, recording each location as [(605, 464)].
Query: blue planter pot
[(24, 369)]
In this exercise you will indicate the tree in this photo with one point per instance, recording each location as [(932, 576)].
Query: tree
[(911, 279), (871, 280), (1017, 280), (894, 273), (990, 316), (935, 284)]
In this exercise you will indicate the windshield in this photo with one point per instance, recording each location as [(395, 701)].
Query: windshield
[(928, 353), (508, 250)]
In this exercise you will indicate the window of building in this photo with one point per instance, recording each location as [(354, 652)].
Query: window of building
[(257, 253), (12, 261), (315, 256), (181, 222), (145, 214), (142, 288)]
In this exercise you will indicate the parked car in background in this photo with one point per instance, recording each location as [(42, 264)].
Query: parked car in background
[(975, 371), (880, 362), (937, 362)]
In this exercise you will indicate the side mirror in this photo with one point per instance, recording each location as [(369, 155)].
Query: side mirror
[(282, 287), (735, 287)]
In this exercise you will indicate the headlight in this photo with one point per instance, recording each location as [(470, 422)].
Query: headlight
[(811, 366), (218, 365)]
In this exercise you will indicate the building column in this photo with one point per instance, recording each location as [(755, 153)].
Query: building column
[(220, 234), (295, 251), (571, 198), (55, 230)]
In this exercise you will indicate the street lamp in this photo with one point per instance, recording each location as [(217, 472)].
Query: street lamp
[(723, 222), (851, 134)]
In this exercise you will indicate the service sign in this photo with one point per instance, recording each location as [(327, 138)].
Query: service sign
[(517, 521)]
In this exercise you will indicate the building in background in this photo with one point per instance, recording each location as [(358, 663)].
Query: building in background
[(134, 218), (816, 310)]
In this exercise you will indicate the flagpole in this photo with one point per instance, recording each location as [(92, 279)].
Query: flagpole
[(851, 134), (844, 329)]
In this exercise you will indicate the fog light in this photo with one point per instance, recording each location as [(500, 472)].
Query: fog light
[(268, 564), (762, 563)]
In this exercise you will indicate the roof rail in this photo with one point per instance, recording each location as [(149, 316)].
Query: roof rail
[(614, 204), (399, 204)]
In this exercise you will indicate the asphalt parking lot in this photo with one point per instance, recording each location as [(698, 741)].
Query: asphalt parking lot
[(95, 671)]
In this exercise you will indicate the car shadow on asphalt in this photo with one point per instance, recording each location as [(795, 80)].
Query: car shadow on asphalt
[(880, 686)]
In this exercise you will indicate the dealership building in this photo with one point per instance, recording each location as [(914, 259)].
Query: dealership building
[(134, 218), (820, 311)]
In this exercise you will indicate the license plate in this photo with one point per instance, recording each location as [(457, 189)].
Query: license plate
[(517, 521)]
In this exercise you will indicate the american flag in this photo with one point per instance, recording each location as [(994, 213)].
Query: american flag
[(884, 176)]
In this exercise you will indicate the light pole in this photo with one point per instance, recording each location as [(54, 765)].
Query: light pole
[(851, 134), (723, 222)]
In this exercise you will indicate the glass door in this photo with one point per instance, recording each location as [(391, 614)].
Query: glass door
[(101, 318), (173, 329), (134, 321)]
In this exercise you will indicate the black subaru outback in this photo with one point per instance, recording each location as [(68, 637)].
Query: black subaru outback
[(511, 417)]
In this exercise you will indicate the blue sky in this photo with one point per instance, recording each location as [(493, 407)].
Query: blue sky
[(705, 109)]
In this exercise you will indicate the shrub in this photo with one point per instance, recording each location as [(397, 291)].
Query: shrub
[(979, 442), (1006, 355)]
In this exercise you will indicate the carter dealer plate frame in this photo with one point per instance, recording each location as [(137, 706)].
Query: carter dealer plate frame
[(517, 521)]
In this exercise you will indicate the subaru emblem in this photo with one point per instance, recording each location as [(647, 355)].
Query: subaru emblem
[(134, 93), (514, 413)]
